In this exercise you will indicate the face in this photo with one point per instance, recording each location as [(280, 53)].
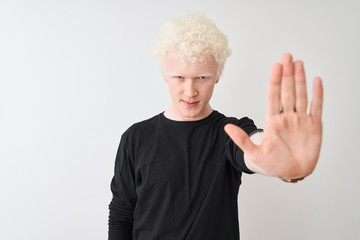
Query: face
[(191, 88)]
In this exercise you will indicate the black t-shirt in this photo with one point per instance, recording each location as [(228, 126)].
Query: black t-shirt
[(177, 180)]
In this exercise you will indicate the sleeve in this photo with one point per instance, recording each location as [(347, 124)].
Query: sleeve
[(124, 198), (233, 152)]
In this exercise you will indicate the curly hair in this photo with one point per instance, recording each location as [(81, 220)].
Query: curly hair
[(196, 38)]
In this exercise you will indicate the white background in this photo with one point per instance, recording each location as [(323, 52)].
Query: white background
[(75, 74)]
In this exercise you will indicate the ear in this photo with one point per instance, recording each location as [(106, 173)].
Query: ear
[(163, 70), (219, 72), (163, 73)]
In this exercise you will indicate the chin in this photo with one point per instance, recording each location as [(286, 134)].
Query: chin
[(191, 115)]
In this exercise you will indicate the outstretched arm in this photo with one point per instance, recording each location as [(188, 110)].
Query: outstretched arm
[(291, 140)]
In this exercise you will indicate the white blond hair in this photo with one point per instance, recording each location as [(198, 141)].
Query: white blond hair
[(195, 37)]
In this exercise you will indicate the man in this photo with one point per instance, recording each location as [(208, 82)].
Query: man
[(177, 174)]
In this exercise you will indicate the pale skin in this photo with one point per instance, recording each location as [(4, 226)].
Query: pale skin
[(290, 145), (190, 88), (291, 141)]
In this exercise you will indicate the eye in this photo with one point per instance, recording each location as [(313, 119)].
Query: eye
[(202, 77), (178, 77)]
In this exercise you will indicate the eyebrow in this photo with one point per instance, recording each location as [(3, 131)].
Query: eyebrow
[(173, 74)]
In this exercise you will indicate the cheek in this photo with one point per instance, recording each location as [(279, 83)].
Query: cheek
[(209, 90), (174, 90)]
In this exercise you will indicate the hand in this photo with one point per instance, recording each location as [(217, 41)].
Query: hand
[(291, 141)]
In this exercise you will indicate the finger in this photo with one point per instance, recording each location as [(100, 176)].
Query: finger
[(287, 84), (300, 88), (240, 138), (273, 95), (317, 98)]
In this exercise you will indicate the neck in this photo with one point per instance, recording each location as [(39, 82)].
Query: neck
[(178, 116)]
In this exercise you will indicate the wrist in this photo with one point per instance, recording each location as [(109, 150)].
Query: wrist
[(291, 180)]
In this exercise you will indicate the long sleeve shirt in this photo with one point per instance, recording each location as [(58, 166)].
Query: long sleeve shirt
[(177, 180)]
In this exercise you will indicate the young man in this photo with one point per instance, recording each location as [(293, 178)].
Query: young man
[(177, 175)]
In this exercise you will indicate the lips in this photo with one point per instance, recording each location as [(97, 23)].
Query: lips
[(190, 104)]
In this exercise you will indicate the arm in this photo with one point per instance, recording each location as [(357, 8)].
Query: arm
[(124, 198), (290, 145)]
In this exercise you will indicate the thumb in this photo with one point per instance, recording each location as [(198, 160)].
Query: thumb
[(240, 138)]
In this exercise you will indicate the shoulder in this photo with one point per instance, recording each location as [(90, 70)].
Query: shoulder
[(234, 120), (141, 128), (246, 123), (144, 124)]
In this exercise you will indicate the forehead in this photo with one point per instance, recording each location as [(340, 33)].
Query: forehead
[(173, 63)]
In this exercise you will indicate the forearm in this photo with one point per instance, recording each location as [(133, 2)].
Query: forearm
[(120, 223)]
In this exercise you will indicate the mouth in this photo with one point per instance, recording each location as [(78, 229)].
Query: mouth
[(190, 104)]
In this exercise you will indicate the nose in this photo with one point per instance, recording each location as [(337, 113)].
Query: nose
[(190, 89)]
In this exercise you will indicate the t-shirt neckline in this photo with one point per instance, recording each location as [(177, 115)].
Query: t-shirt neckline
[(182, 123)]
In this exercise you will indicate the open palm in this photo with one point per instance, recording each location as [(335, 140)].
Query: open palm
[(291, 141)]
